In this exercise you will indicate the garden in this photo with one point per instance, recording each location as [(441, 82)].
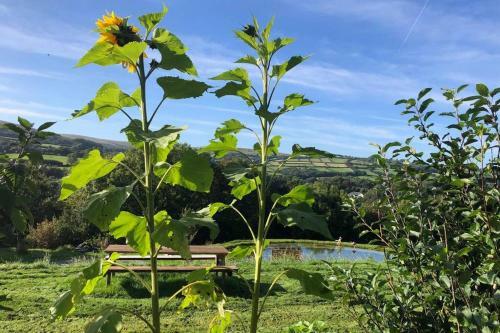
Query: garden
[(156, 235)]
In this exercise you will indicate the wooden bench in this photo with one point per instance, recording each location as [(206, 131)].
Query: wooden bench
[(216, 253)]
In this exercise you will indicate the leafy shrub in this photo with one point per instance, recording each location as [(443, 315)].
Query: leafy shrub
[(439, 216), (44, 235)]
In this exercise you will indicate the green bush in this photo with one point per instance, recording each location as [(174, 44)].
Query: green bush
[(439, 217)]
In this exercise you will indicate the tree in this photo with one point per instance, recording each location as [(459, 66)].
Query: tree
[(15, 182), (438, 215)]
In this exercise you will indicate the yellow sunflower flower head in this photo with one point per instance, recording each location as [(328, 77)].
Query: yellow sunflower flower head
[(109, 20), (115, 30)]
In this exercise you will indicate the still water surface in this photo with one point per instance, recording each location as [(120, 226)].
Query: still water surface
[(304, 252)]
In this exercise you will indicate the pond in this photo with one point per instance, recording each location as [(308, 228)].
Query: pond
[(305, 252)]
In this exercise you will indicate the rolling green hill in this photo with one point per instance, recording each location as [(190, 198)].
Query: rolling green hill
[(63, 149)]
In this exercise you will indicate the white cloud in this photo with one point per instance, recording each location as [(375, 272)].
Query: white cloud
[(29, 72), (29, 105), (28, 113), (341, 81), (40, 42)]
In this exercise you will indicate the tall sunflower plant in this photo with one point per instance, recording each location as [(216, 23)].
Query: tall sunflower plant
[(256, 175), (121, 43)]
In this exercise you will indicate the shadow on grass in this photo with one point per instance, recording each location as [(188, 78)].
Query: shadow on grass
[(231, 286), (62, 254)]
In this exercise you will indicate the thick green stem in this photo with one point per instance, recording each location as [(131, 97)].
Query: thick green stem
[(150, 209), (259, 244)]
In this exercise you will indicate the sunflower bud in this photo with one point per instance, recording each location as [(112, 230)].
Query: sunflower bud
[(250, 30)]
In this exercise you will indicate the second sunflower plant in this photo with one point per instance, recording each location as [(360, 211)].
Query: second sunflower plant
[(121, 43)]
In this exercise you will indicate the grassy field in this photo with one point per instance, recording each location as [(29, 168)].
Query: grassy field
[(49, 157), (334, 165), (29, 285)]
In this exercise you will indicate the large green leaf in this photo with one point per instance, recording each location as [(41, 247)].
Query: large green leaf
[(238, 74), (220, 323), (82, 285), (274, 145), (216, 207), (201, 218), (236, 89), (278, 43), (248, 59), (134, 228), (103, 207), (221, 146), (177, 88), (231, 126), (294, 101), (109, 100), (239, 86), (151, 20), (312, 283), (250, 41), (173, 52), (241, 251), (302, 216), (244, 186), (193, 172), (106, 54), (162, 140), (171, 233), (299, 194), (108, 320), (280, 70), (86, 170)]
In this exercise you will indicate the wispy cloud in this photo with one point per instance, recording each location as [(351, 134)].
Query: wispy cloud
[(28, 113), (341, 81), (29, 105), (40, 42), (29, 72)]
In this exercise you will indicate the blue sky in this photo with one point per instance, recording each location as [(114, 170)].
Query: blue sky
[(365, 54)]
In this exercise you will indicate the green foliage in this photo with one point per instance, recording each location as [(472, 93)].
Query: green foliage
[(104, 206), (173, 52), (82, 285), (16, 175), (254, 176), (438, 214), (107, 321), (88, 169), (105, 54), (177, 88), (193, 172), (109, 100)]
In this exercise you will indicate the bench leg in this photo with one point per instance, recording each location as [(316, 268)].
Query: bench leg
[(108, 278)]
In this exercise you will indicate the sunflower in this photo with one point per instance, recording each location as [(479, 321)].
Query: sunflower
[(109, 20), (115, 30)]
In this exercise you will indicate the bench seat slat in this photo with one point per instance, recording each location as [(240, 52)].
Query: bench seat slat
[(114, 269)]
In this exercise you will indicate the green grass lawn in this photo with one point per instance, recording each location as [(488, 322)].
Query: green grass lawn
[(29, 285)]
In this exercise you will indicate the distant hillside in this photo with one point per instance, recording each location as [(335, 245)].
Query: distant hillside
[(61, 149)]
